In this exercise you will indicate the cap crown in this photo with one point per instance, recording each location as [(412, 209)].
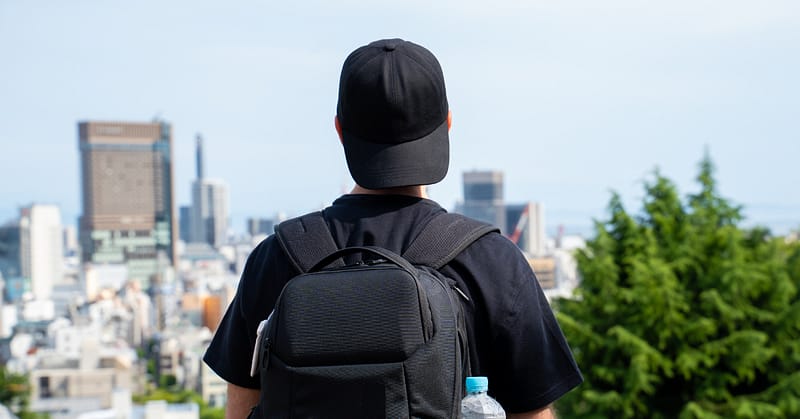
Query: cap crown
[(391, 91)]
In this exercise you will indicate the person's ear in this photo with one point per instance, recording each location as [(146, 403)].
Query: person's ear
[(338, 126), (449, 120)]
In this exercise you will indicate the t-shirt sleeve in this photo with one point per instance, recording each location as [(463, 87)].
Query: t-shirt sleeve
[(534, 352), (231, 349), (524, 352)]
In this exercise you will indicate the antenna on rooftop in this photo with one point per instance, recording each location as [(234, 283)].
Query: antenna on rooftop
[(199, 155)]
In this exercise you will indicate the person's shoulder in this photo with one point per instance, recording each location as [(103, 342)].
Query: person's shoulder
[(495, 241), (492, 237), (265, 245), (261, 253), (496, 250)]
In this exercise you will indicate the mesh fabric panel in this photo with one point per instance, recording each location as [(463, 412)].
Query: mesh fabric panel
[(381, 323)]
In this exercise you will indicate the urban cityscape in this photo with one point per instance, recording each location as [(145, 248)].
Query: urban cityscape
[(97, 315), (641, 155)]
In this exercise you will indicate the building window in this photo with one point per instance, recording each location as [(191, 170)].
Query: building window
[(44, 388)]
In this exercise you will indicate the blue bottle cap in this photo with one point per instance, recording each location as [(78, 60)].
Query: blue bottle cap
[(477, 384)]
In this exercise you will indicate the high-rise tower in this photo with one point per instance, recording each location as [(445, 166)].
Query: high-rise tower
[(128, 208), (198, 156), (483, 197), (10, 269), (209, 213)]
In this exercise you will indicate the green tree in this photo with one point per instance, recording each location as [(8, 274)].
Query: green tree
[(169, 391), (14, 390), (682, 313), (15, 394)]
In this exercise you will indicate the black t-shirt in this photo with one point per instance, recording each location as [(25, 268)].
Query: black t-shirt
[(514, 337)]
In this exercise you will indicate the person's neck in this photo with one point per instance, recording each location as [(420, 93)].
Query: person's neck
[(419, 191)]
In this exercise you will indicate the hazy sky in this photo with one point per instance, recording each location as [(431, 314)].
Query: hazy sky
[(571, 99)]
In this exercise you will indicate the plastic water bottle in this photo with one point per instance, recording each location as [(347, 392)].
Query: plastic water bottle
[(477, 404)]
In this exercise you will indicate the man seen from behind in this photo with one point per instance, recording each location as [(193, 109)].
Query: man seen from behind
[(393, 122)]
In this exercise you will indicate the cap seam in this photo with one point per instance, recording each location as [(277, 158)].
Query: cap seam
[(425, 69), (394, 82), (353, 73)]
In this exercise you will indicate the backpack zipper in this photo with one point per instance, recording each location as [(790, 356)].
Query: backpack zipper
[(461, 293)]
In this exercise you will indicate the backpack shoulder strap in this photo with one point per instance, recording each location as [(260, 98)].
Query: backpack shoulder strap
[(444, 237), (306, 240)]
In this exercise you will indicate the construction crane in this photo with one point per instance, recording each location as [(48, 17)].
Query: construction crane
[(521, 224)]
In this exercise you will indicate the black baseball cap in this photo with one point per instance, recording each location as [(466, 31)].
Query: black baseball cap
[(392, 112)]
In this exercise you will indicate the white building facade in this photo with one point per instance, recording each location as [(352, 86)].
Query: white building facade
[(41, 248)]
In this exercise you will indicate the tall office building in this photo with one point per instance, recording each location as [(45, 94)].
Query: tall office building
[(525, 227), (9, 250), (41, 248), (10, 269), (209, 216), (483, 197), (185, 223), (128, 208)]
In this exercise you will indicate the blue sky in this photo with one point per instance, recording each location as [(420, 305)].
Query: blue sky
[(571, 99)]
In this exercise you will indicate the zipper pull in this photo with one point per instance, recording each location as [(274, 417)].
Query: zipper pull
[(461, 293)]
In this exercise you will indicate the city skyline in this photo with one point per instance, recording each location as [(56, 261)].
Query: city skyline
[(569, 100)]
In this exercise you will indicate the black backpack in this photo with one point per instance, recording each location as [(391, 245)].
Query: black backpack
[(383, 337)]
